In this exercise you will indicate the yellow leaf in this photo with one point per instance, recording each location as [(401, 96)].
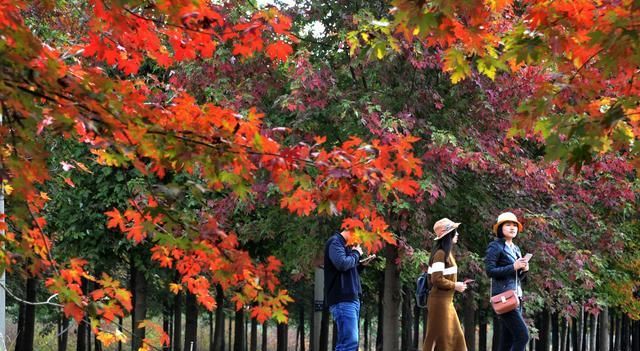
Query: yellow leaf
[(175, 288), (8, 189), (456, 63), (487, 69), (44, 196), (379, 52)]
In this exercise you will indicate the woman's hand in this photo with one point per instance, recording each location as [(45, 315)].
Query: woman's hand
[(461, 286), (520, 264)]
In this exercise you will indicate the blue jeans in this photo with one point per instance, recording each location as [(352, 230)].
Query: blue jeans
[(346, 315), (515, 335)]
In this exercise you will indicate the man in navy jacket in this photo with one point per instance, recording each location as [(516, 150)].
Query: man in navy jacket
[(342, 289)]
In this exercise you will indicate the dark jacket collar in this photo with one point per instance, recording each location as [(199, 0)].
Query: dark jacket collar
[(516, 249)]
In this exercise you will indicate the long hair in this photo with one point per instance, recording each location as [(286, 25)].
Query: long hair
[(445, 244)]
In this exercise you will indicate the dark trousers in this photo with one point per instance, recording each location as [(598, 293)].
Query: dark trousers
[(515, 335)]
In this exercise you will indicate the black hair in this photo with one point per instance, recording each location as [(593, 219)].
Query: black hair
[(445, 244), (499, 233)]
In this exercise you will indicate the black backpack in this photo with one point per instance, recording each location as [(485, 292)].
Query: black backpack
[(422, 290)]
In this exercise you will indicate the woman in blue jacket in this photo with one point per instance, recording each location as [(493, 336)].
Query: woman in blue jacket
[(507, 269)]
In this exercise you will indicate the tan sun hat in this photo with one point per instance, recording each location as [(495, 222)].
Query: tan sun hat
[(444, 227), (506, 217)]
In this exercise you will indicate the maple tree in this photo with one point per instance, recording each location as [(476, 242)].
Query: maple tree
[(176, 91), (563, 77), (577, 56), (64, 89)]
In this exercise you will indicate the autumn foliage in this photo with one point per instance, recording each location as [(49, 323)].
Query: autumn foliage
[(584, 101), (87, 89), (563, 72)]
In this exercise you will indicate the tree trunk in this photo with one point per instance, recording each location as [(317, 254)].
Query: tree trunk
[(367, 326), (265, 330), (592, 332), (83, 328), (425, 319), (210, 314), (166, 320), (27, 318), (139, 313), (582, 330), (406, 341), (120, 329), (617, 343), (254, 335), (563, 335), (218, 336), (301, 328), (575, 330), (21, 322), (625, 336), (543, 341), (238, 337), (635, 346), (584, 344), (416, 328), (191, 323), (282, 338), (469, 321), (391, 305), (230, 342), (555, 331), (379, 336), (89, 334), (482, 332), (97, 344), (177, 322), (568, 341), (324, 330), (612, 330), (63, 332)]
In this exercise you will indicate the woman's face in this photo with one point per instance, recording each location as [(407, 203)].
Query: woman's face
[(455, 237), (510, 230)]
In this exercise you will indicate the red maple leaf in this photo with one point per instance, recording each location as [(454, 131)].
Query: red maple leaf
[(279, 50)]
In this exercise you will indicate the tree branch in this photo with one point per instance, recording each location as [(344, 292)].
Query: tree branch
[(48, 302)]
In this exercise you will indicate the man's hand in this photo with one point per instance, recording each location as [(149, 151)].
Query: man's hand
[(359, 249)]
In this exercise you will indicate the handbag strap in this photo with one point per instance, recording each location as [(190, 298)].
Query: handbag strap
[(491, 286)]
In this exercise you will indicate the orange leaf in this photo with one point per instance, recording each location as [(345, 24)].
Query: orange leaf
[(115, 220), (69, 181), (73, 310), (279, 50)]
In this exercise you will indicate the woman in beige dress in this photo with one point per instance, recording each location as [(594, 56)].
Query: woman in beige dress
[(443, 326)]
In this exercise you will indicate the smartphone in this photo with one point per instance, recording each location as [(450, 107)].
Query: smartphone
[(367, 259), (528, 256)]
